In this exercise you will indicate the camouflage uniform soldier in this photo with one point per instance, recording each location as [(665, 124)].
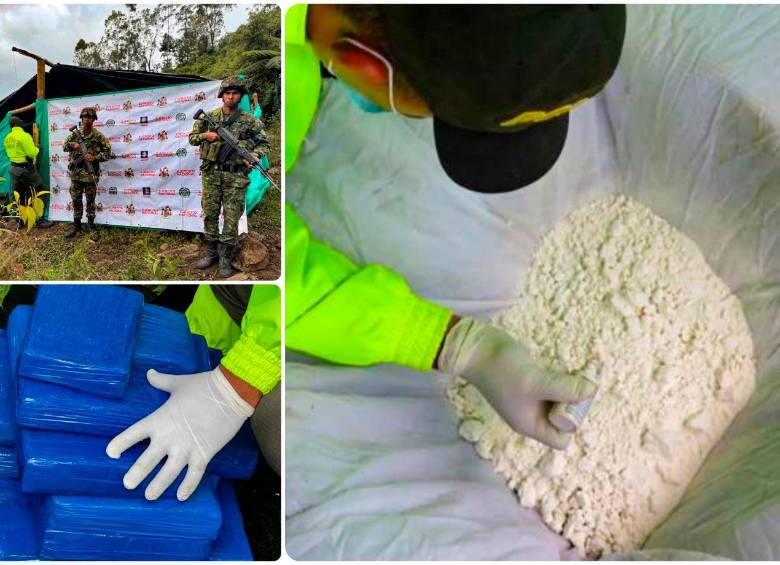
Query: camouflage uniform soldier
[(224, 184), (81, 181)]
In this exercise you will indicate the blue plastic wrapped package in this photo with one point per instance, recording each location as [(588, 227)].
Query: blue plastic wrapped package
[(164, 342), (16, 331), (198, 518), (9, 465), (45, 406), (7, 388), (77, 464), (18, 535), (232, 544), (82, 336), (204, 353), (79, 546)]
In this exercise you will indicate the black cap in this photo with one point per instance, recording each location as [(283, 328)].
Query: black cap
[(500, 80)]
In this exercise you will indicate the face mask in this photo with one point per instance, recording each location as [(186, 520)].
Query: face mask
[(356, 97), (362, 102)]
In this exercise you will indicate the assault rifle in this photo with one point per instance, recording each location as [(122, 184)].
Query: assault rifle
[(74, 162), (230, 144)]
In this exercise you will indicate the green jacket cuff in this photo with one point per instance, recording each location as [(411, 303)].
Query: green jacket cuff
[(254, 364)]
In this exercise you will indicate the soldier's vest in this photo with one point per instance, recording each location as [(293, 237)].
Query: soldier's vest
[(209, 150)]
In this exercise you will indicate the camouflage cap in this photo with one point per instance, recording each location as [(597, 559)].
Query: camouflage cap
[(89, 112), (232, 83)]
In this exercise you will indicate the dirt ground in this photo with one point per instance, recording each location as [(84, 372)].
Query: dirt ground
[(123, 254)]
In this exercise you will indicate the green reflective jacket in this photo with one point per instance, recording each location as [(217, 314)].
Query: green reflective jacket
[(251, 352), (335, 309)]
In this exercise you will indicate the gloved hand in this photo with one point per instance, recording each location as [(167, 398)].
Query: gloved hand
[(506, 375), (203, 413)]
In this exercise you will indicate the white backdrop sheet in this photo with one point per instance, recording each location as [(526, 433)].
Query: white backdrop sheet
[(690, 127), (153, 180)]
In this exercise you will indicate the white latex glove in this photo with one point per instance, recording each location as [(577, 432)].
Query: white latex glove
[(203, 413), (509, 379)]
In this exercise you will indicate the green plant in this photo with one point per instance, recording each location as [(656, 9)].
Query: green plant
[(29, 210)]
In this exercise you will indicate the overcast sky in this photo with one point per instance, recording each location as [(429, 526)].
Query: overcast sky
[(52, 31)]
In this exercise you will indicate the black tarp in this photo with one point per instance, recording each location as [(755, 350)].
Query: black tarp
[(68, 80)]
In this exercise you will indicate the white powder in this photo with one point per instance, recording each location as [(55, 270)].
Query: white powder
[(618, 295)]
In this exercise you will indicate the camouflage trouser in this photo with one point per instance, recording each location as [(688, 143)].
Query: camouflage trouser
[(223, 190), (77, 188)]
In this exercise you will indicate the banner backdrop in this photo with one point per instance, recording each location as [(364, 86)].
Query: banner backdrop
[(153, 179)]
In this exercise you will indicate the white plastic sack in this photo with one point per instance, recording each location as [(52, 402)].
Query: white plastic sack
[(690, 127)]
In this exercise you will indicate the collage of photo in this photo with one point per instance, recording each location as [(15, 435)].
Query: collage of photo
[(389, 282)]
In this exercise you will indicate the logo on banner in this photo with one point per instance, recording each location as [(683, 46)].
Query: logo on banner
[(149, 211), (56, 189), (162, 135), (163, 119), (115, 173), (66, 111), (112, 190), (166, 212), (200, 97), (189, 213), (96, 107), (130, 209), (164, 173), (110, 123), (146, 191), (148, 173), (162, 101), (53, 127), (185, 172), (145, 104), (144, 155), (181, 99), (181, 116), (130, 191), (127, 138), (113, 107), (167, 192), (55, 158), (99, 206), (144, 120), (146, 137), (164, 154), (127, 106), (184, 192), (116, 209), (181, 152), (69, 207), (129, 172)]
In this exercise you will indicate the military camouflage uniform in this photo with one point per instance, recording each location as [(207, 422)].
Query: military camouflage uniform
[(80, 180), (224, 184)]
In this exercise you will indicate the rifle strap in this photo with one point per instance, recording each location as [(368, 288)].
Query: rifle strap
[(232, 119)]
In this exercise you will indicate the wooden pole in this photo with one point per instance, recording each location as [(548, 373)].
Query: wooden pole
[(41, 79), (32, 55), (23, 109)]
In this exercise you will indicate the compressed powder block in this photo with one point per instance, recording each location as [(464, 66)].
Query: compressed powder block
[(78, 546), (16, 331), (76, 464), (164, 343), (18, 536), (45, 406), (82, 336), (9, 466), (6, 394), (232, 544), (198, 518)]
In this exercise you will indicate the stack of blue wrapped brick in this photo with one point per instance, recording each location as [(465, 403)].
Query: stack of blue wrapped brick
[(73, 375)]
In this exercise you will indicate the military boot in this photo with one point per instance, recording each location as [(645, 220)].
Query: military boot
[(210, 257), (92, 230), (226, 260), (74, 229)]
